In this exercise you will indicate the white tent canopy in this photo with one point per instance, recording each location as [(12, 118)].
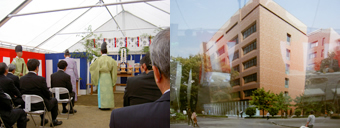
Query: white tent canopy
[(55, 25)]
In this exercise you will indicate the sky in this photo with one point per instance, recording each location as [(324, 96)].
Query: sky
[(207, 16)]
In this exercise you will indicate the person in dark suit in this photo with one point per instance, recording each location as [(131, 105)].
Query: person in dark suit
[(155, 114), (142, 88), (142, 66), (61, 79), (8, 87), (10, 74), (31, 83), (8, 114)]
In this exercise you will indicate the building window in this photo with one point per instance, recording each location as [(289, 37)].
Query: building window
[(235, 95), (250, 78), (314, 44), (221, 51), (235, 82), (236, 68), (323, 41), (288, 54), (250, 63), (288, 39), (286, 93), (311, 67), (248, 93), (249, 48), (249, 31), (236, 55), (287, 68), (322, 53), (286, 82), (312, 55)]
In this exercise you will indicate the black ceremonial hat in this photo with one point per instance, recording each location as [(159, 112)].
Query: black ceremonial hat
[(103, 47), (18, 48)]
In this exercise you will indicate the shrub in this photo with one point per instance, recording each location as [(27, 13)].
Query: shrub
[(335, 117), (251, 111), (297, 112), (273, 111), (180, 116)]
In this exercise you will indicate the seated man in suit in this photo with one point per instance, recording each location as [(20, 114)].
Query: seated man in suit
[(155, 114), (10, 74), (8, 87), (142, 88), (8, 114), (31, 83), (61, 79), (142, 61)]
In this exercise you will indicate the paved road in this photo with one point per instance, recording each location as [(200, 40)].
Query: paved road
[(233, 122)]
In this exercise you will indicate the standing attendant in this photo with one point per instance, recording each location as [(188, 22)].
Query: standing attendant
[(72, 70), (104, 74), (19, 62)]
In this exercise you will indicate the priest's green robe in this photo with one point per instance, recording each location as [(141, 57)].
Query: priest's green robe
[(104, 74), (20, 66)]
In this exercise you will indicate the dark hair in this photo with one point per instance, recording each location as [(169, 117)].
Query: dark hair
[(62, 64), (32, 64), (3, 68), (312, 112), (147, 61), (104, 51)]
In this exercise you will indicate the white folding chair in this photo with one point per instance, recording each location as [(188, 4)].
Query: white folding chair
[(32, 99), (60, 90), (2, 123), (9, 97)]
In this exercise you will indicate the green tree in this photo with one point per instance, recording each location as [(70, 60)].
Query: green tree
[(262, 100), (282, 102), (91, 48), (307, 104), (194, 63), (251, 111), (297, 112), (273, 111)]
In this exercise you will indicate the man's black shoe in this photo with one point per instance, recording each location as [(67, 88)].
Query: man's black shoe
[(64, 111), (56, 122), (73, 111)]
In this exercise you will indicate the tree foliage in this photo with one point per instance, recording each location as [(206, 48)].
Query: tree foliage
[(307, 104), (262, 100), (193, 62), (297, 112), (273, 111), (92, 48), (282, 102), (251, 111)]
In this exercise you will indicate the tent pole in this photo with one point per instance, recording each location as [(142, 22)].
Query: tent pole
[(111, 30), (15, 11), (82, 7), (62, 28), (115, 21), (157, 8)]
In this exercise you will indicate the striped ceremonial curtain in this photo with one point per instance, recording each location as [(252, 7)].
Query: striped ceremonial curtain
[(94, 43), (115, 42), (137, 41), (126, 42)]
